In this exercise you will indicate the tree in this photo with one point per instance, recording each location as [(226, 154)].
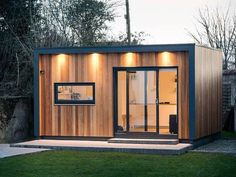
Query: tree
[(136, 38), (218, 30), (55, 30), (17, 19), (88, 20), (77, 22), (29, 24)]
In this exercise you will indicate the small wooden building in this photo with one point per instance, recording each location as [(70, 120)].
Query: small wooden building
[(151, 91)]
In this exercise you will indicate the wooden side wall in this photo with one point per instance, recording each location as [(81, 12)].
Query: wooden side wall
[(97, 120), (208, 91)]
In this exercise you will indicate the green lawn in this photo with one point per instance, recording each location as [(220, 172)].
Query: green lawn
[(75, 163), (226, 134)]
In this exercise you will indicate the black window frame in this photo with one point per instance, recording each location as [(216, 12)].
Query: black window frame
[(73, 102)]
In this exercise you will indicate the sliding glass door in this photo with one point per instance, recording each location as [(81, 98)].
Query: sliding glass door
[(167, 101), (141, 96), (142, 101), (136, 100)]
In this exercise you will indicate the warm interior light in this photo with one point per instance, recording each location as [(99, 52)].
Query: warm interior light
[(95, 60), (166, 58), (129, 59), (61, 59), (61, 64)]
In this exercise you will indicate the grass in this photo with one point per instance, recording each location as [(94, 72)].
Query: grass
[(227, 134), (102, 164)]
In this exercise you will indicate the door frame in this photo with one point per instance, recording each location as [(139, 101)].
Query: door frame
[(115, 102)]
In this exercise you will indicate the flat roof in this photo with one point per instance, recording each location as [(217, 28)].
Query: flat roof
[(117, 49)]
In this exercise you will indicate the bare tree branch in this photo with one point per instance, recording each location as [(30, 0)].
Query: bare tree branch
[(217, 30)]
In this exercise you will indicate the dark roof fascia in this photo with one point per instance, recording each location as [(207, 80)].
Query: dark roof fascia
[(117, 49), (207, 47)]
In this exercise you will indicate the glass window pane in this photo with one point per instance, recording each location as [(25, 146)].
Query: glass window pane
[(74, 93)]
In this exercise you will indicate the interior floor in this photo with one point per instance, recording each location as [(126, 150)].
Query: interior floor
[(164, 130)]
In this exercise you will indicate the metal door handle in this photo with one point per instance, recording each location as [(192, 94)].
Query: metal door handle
[(157, 101)]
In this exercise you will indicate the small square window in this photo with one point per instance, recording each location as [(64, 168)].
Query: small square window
[(74, 93)]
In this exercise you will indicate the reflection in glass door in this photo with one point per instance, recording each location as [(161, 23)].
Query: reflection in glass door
[(142, 101), (136, 97)]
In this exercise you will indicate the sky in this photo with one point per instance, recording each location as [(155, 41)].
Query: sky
[(166, 21)]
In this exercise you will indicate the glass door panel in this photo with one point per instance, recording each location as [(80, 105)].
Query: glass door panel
[(167, 86), (121, 97), (151, 100), (136, 97), (147, 101)]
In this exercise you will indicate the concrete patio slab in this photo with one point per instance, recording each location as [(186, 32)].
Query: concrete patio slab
[(105, 146), (7, 151)]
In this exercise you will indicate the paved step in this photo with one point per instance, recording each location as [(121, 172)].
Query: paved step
[(144, 141), (146, 135)]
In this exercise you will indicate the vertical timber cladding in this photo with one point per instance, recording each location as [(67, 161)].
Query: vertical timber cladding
[(97, 120), (208, 91)]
